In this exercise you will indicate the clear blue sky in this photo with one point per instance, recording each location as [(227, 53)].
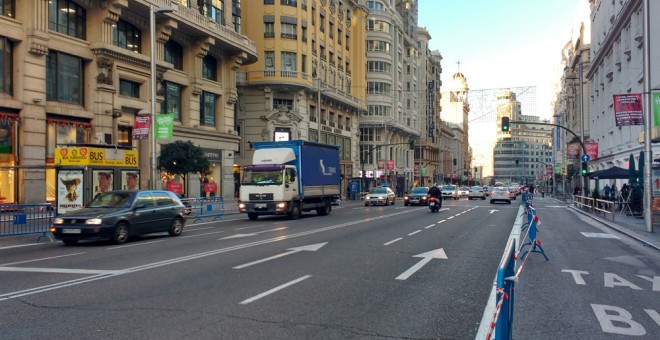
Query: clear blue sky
[(502, 43)]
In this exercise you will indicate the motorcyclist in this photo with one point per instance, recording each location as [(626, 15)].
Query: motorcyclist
[(434, 191)]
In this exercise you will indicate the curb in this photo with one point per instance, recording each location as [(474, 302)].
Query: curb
[(625, 231)]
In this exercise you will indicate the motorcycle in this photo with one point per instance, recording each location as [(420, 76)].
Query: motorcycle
[(434, 204)]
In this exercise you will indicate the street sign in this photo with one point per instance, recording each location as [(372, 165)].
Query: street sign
[(585, 158)]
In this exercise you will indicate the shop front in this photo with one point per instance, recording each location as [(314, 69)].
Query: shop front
[(8, 128), (84, 172)]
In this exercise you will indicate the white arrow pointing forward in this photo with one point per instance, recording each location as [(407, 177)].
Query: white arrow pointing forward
[(492, 211), (427, 257), (311, 247), (251, 234)]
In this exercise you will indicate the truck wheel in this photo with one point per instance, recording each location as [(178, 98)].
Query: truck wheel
[(325, 210), (253, 216), (295, 212)]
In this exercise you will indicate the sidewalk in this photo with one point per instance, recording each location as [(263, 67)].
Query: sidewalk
[(629, 225)]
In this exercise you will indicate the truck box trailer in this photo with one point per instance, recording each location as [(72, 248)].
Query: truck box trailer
[(288, 178)]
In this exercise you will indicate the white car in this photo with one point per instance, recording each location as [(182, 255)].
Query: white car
[(449, 191), (500, 194), (382, 196), (477, 192), (464, 192)]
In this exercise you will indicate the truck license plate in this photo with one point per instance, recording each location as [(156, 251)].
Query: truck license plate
[(260, 206)]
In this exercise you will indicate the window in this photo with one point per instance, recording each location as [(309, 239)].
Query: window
[(213, 9), (7, 8), (125, 135), (377, 45), (285, 103), (127, 36), (209, 68), (236, 14), (172, 100), (207, 109), (379, 88), (269, 30), (64, 78), (288, 64), (66, 17), (6, 65), (129, 88), (288, 30), (174, 54), (288, 3), (269, 59), (379, 66)]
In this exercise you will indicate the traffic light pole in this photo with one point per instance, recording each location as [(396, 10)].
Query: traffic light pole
[(585, 165)]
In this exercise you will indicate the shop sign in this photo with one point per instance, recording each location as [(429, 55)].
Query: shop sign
[(96, 156)]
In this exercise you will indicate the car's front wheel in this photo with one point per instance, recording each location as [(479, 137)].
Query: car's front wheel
[(176, 228), (120, 236)]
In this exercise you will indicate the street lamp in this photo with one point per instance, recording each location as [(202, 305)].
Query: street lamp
[(152, 61)]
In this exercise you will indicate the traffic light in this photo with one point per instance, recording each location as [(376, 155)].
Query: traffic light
[(517, 162), (584, 168), (505, 124)]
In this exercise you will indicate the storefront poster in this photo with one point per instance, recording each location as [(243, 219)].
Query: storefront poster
[(628, 109), (130, 180), (141, 126), (69, 190), (102, 181)]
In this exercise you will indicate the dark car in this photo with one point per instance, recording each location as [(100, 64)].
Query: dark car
[(118, 215), (418, 196)]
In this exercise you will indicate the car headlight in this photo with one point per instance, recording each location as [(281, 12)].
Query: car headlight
[(424, 197), (58, 220), (94, 221), (406, 197), (241, 205)]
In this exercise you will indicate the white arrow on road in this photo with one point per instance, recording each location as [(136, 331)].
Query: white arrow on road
[(441, 209), (492, 211), (311, 247), (251, 234), (427, 257)]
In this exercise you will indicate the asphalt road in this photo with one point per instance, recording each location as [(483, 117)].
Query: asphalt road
[(361, 272)]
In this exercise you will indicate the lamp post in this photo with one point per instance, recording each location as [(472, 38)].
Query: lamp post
[(152, 61)]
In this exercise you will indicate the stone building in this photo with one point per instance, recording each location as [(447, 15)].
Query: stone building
[(77, 72)]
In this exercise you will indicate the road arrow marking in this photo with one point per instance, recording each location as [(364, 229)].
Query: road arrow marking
[(311, 247), (492, 211), (426, 258), (251, 234), (441, 209)]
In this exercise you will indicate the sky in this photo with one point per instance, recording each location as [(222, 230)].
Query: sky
[(503, 43)]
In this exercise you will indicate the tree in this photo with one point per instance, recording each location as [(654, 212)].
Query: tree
[(181, 158)]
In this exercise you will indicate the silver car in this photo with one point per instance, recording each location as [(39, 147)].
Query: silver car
[(449, 191), (500, 194), (477, 192), (380, 196)]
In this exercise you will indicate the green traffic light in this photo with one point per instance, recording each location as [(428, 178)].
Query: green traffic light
[(505, 124)]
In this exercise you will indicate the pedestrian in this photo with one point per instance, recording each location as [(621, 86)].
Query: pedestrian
[(624, 192), (542, 192), (613, 192), (606, 191)]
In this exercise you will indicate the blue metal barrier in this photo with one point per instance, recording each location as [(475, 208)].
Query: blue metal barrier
[(506, 279), (204, 207), (535, 244), (20, 219)]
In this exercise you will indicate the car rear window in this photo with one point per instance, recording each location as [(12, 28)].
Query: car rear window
[(419, 191)]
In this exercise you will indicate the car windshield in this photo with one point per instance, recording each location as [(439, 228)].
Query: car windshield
[(111, 200), (379, 191), (476, 188), (419, 190), (450, 187)]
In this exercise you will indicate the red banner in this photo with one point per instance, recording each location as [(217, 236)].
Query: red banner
[(211, 187), (175, 187), (592, 149), (628, 109), (141, 126)]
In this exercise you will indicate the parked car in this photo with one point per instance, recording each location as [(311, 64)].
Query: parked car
[(449, 191), (500, 194), (381, 195), (417, 196), (118, 215), (477, 192), (464, 192)]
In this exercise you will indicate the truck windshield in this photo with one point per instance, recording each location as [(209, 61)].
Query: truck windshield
[(262, 177)]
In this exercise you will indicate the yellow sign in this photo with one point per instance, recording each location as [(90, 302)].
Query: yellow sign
[(96, 156)]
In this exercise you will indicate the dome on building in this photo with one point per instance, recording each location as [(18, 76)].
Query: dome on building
[(458, 81)]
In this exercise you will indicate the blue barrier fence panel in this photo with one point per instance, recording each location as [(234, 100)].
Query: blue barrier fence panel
[(505, 284), (20, 219)]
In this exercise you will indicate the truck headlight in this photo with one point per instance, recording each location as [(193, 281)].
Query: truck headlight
[(281, 205), (94, 221), (58, 220), (241, 205)]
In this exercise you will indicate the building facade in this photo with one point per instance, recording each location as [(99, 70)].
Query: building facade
[(455, 110), (77, 72), (310, 81)]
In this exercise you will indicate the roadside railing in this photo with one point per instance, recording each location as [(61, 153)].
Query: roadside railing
[(21, 219), (596, 206), (201, 208)]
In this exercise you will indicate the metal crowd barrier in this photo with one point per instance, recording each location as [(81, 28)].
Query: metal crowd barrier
[(21, 219), (203, 207)]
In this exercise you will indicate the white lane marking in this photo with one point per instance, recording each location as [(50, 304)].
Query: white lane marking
[(310, 247), (251, 234), (414, 232), (41, 259), (442, 221), (450, 217), (211, 233), (426, 258), (429, 226), (134, 245), (271, 291), (195, 229), (250, 227), (69, 283), (394, 240), (21, 245), (58, 270), (598, 235)]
